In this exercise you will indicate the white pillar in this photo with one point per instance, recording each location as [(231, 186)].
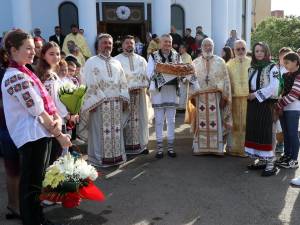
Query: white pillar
[(21, 14), (88, 20), (239, 17), (161, 16), (220, 31), (232, 12), (248, 22)]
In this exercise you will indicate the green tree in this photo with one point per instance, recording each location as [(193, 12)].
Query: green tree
[(278, 33)]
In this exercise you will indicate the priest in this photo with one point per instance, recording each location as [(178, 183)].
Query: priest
[(136, 132), (104, 112)]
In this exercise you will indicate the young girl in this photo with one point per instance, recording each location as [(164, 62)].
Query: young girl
[(49, 60), (31, 118), (288, 108)]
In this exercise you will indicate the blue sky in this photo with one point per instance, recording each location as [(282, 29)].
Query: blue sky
[(290, 7)]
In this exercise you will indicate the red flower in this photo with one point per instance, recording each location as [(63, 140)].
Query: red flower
[(91, 192), (71, 200)]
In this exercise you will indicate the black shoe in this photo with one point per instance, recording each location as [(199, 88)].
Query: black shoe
[(282, 159), (290, 164), (172, 154), (159, 155), (268, 173), (12, 214), (256, 166), (48, 222), (145, 152)]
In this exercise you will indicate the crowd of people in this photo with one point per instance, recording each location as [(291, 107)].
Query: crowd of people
[(237, 105)]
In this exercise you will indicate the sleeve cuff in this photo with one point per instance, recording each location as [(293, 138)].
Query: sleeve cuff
[(259, 96)]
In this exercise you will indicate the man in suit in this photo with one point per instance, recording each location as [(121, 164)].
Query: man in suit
[(57, 37)]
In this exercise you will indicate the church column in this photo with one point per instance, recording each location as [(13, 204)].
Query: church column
[(21, 14), (161, 16), (248, 22), (232, 12), (220, 31), (239, 16), (88, 20)]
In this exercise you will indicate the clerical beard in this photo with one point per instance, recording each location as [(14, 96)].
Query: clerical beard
[(207, 54)]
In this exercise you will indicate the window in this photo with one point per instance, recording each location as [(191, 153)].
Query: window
[(68, 15), (177, 18)]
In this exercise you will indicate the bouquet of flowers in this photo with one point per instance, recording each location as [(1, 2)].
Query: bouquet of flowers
[(69, 180), (72, 97)]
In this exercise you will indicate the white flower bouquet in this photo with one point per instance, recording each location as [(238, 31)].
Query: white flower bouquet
[(69, 180), (72, 97)]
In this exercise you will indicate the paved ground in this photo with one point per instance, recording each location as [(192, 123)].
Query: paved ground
[(188, 190)]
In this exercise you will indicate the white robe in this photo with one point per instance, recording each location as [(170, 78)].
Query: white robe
[(102, 111), (136, 131)]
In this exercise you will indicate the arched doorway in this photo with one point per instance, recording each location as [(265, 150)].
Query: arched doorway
[(178, 18), (68, 15)]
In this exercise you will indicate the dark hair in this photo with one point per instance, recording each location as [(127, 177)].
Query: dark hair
[(189, 29), (127, 37), (73, 59), (293, 57), (266, 50), (154, 36), (56, 27), (4, 58), (43, 66), (14, 38), (74, 25), (71, 63), (228, 53), (284, 50)]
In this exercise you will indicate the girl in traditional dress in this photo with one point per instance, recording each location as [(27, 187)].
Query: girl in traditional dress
[(263, 88), (31, 119)]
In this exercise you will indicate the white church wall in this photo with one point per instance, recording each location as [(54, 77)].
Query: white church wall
[(196, 13), (45, 15), (5, 16)]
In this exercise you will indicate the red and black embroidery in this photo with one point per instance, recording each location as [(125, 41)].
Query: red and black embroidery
[(10, 91), (17, 87), (30, 103), (25, 84), (20, 76), (13, 79), (7, 82), (26, 96)]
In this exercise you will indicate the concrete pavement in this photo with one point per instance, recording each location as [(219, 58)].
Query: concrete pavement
[(187, 190)]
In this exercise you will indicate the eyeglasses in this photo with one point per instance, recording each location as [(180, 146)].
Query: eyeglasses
[(240, 49)]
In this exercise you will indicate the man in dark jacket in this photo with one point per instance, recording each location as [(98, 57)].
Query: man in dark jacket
[(58, 38)]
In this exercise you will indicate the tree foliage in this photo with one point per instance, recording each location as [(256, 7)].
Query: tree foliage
[(278, 33)]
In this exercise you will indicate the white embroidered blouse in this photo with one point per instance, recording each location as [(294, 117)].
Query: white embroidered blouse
[(22, 105)]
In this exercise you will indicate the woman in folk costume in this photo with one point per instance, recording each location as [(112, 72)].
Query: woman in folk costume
[(238, 72), (32, 120), (105, 108), (209, 109), (260, 126)]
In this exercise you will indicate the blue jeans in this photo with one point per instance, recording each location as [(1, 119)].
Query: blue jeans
[(289, 123)]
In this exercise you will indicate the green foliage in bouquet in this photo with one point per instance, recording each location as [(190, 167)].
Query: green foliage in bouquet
[(72, 97)]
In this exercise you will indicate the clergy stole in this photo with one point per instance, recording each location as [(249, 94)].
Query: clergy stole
[(110, 112)]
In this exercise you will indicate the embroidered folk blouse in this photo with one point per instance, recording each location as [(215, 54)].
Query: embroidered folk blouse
[(22, 105)]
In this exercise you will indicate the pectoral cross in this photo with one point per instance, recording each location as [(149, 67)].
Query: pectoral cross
[(207, 66), (207, 79)]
